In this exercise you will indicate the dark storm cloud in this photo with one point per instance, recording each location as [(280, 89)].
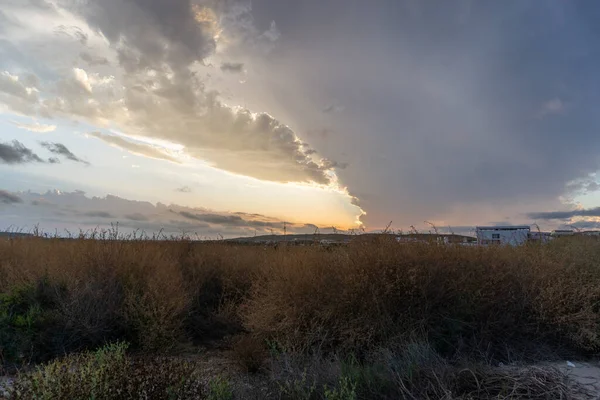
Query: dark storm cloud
[(62, 150), (146, 25), (9, 198), (584, 225), (450, 112), (232, 67), (562, 215), (215, 218), (16, 153), (232, 220)]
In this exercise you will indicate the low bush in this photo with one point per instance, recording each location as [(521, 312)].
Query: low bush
[(219, 388), (493, 303), (29, 326), (419, 373), (477, 303), (109, 373)]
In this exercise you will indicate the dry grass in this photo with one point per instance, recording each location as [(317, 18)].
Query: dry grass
[(468, 303)]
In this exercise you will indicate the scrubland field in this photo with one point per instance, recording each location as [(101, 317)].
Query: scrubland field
[(120, 319)]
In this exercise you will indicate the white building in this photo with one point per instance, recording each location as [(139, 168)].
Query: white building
[(504, 235)]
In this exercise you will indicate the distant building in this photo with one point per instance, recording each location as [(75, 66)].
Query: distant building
[(563, 232), (543, 237), (502, 235), (590, 233)]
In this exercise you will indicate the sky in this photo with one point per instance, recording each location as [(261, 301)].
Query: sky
[(238, 117)]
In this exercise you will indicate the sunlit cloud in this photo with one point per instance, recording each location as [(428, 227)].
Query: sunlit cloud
[(34, 127), (137, 148)]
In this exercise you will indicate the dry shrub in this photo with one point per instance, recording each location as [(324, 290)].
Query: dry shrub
[(495, 302), (416, 372), (478, 382), (250, 353), (217, 279), (514, 383)]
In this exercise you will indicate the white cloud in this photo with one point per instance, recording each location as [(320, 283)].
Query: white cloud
[(34, 127), (81, 77), (140, 149), (155, 93), (17, 95)]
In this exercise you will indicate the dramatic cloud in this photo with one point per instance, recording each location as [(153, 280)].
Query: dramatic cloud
[(465, 123), (61, 150), (438, 125), (214, 218), (156, 91), (35, 127), (232, 67), (74, 210), (562, 215), (141, 149), (17, 153), (9, 198), (237, 221)]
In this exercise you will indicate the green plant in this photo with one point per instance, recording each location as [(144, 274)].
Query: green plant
[(28, 322), (299, 389), (370, 379), (274, 347), (345, 390), (219, 388)]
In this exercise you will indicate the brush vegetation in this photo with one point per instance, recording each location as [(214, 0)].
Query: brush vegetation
[(371, 319)]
